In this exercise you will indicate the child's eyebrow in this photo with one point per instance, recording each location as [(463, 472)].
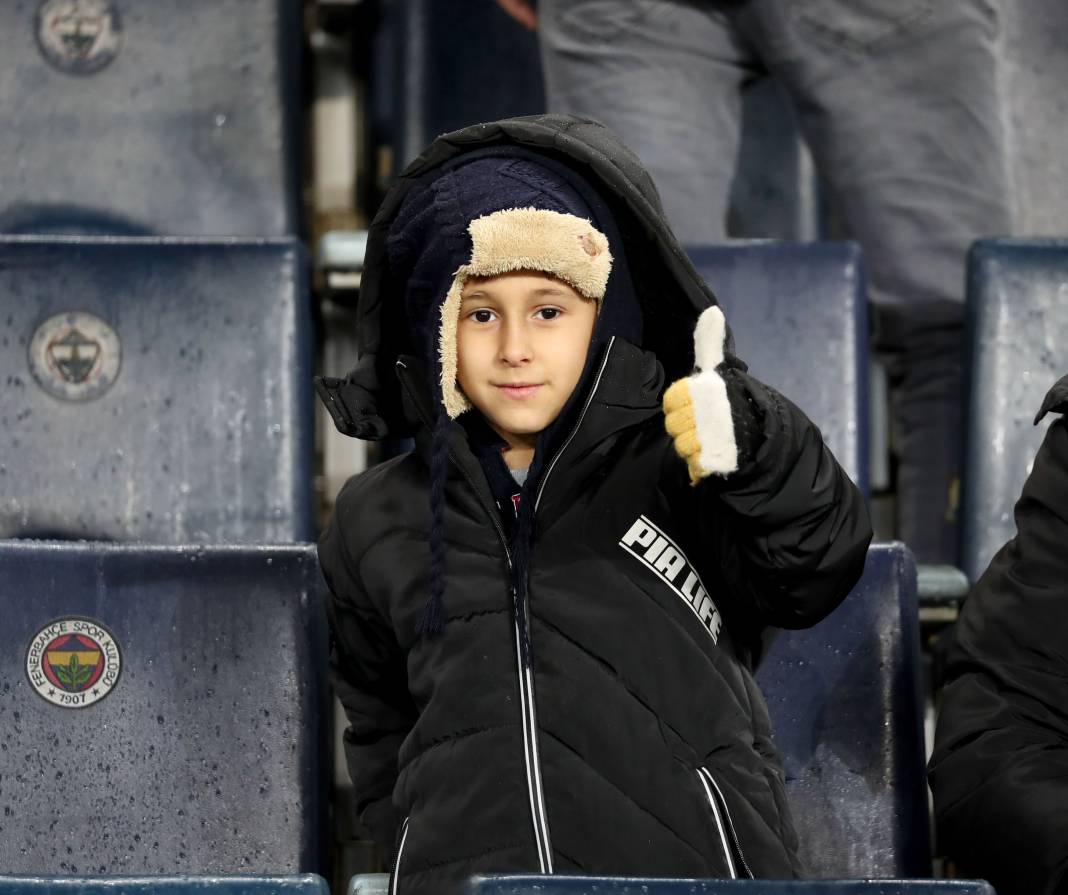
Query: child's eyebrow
[(484, 294)]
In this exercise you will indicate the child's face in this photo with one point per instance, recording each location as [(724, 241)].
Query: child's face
[(521, 346)]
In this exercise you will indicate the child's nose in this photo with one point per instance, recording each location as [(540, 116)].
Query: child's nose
[(515, 347)]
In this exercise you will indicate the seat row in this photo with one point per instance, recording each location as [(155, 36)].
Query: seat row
[(164, 712), (159, 389)]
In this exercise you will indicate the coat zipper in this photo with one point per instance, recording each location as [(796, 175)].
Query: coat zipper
[(535, 792), (526, 677), (394, 873), (574, 431), (728, 835)]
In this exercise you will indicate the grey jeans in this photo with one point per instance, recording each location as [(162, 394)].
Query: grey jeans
[(898, 102)]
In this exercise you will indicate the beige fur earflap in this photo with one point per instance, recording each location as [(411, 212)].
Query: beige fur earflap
[(452, 397), (563, 245)]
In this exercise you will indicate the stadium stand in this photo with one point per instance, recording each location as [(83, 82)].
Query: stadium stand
[(799, 317), (306, 884), (155, 389), (162, 711), (176, 117), (1018, 339)]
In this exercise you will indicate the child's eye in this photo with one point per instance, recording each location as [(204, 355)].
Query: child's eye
[(548, 313), (482, 315)]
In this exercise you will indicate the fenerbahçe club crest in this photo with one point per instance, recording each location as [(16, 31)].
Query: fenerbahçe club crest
[(73, 662), (79, 37), (75, 356)]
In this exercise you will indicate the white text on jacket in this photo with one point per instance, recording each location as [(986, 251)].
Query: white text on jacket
[(659, 553)]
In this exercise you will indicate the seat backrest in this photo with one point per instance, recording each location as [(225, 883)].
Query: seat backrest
[(154, 390), (170, 117), (799, 317), (586, 885), (163, 709), (775, 190), (1018, 347), (305, 884), (845, 706)]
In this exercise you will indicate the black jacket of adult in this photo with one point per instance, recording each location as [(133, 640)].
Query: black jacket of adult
[(999, 772), (638, 742)]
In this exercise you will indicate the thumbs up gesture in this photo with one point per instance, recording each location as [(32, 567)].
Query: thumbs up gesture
[(697, 409)]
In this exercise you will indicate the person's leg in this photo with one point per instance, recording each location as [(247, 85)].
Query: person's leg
[(898, 101), (665, 75)]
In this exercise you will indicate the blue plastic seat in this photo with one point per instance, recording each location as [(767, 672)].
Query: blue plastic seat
[(1018, 340), (155, 390), (799, 317), (845, 706), (162, 710), (539, 885), (305, 884), (169, 117)]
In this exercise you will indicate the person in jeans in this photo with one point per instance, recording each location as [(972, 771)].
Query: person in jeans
[(898, 102)]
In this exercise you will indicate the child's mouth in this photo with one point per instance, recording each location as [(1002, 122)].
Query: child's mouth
[(519, 391)]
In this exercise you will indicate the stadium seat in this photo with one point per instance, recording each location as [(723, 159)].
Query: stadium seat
[(306, 884), (170, 117), (1018, 340), (367, 884), (775, 191), (163, 710), (155, 390), (577, 885), (799, 317), (844, 698)]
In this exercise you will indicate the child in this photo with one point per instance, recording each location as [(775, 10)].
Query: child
[(545, 618)]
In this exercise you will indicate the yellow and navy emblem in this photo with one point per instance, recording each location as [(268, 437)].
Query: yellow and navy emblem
[(73, 662), (75, 356), (79, 36)]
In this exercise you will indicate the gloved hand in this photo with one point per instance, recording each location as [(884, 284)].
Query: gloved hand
[(697, 409)]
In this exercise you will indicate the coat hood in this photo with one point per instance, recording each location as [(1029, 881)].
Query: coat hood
[(367, 403)]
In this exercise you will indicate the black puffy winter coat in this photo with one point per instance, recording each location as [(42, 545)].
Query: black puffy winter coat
[(638, 742), (999, 772)]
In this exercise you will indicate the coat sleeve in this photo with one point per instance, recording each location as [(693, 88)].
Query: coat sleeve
[(368, 671), (999, 772), (793, 529)]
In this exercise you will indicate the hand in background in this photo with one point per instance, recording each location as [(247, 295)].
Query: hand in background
[(522, 11)]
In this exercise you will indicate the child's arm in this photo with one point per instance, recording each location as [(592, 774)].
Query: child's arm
[(797, 528), (368, 671)]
